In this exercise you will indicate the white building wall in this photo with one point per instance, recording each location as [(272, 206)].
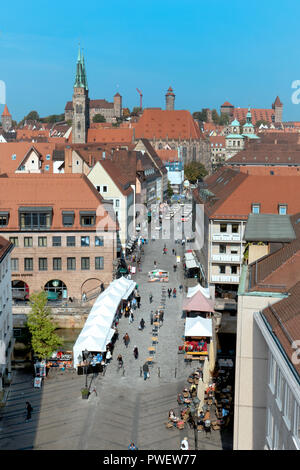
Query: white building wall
[(6, 319)]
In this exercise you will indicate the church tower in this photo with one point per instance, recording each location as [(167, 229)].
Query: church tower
[(6, 119), (80, 123), (170, 99), (278, 108)]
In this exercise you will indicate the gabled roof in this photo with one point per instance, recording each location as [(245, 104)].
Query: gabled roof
[(153, 154), (257, 114), (162, 124), (284, 320), (269, 228), (120, 178)]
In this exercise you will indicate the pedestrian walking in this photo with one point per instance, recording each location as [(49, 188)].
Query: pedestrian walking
[(146, 371), (155, 264), (174, 292), (131, 317), (173, 251), (120, 360), (150, 297), (151, 317), (29, 410), (142, 324), (138, 299), (161, 316), (126, 339), (135, 352), (174, 268), (181, 288), (169, 292)]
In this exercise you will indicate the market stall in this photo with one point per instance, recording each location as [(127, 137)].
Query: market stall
[(197, 336), (198, 303), (158, 275)]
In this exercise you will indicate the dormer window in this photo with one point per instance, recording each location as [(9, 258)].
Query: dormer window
[(48, 157), (282, 209), (255, 208), (68, 218)]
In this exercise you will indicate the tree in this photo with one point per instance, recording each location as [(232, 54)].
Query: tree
[(99, 118), (32, 116), (135, 111), (43, 339), (194, 171), (224, 119), (200, 115), (53, 118), (169, 190), (215, 116)]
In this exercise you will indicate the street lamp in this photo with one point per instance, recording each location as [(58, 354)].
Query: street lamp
[(194, 413)]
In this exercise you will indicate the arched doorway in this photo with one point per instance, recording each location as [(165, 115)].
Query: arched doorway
[(56, 290), (91, 287), (20, 290)]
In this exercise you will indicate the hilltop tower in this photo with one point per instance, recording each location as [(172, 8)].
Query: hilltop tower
[(170, 99), (278, 108), (80, 123), (118, 105), (6, 119)]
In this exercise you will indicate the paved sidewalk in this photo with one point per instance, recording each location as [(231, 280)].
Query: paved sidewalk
[(126, 407)]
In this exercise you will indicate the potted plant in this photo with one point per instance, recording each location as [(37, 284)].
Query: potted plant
[(85, 393)]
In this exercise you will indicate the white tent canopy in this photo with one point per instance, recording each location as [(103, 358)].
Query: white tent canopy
[(97, 331), (198, 326), (193, 290)]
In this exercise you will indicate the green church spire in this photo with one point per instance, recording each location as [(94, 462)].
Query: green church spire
[(79, 79)]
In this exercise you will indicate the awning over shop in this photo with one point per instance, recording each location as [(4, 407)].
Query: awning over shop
[(97, 331), (198, 326), (198, 288), (198, 303), (190, 260)]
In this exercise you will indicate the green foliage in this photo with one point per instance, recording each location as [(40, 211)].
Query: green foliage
[(200, 115), (33, 116), (194, 171), (169, 190), (215, 116), (43, 339), (224, 119), (261, 121), (53, 118), (99, 118), (135, 111)]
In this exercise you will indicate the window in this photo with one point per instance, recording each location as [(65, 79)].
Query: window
[(85, 263), (14, 241), (233, 250), (4, 219), (14, 264), (272, 373), (35, 218), (99, 241), (43, 264), (71, 264), (14, 156), (48, 157), (42, 241), (297, 422), (104, 189), (222, 269), (288, 404), (282, 209), (234, 228), (233, 269), (47, 167), (255, 208), (99, 262), (71, 241), (28, 264), (68, 218), (87, 219), (56, 264), (98, 189), (85, 241), (270, 428), (222, 248), (27, 242), (280, 389), (223, 228), (56, 241), (117, 202)]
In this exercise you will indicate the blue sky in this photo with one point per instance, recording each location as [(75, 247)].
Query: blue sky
[(208, 51)]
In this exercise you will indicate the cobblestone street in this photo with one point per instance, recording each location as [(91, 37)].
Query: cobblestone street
[(126, 407)]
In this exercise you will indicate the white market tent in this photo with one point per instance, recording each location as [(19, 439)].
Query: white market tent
[(193, 290), (198, 326), (97, 331)]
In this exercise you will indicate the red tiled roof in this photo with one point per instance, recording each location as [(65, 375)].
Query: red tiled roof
[(112, 135), (163, 124), (226, 104), (235, 192), (284, 319), (9, 164), (5, 111), (167, 155), (257, 114), (120, 178)]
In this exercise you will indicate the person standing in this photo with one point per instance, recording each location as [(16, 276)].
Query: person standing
[(29, 410), (131, 318), (126, 339), (151, 317), (150, 297), (184, 444), (138, 299), (133, 303), (135, 352), (174, 292), (169, 292), (161, 316), (146, 370), (142, 324), (181, 288), (155, 264)]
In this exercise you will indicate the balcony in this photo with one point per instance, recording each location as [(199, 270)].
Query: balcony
[(226, 237), (232, 279), (224, 258)]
